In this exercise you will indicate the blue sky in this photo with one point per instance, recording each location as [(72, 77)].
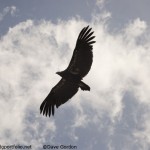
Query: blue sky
[(37, 39)]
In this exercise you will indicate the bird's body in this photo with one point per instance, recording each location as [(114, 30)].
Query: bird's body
[(78, 68)]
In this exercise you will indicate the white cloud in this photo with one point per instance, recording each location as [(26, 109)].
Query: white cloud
[(100, 3), (135, 29), (12, 10), (31, 53)]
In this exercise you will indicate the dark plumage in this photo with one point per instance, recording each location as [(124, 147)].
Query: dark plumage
[(78, 68)]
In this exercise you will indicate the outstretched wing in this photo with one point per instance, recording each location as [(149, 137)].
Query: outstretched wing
[(82, 58), (59, 94)]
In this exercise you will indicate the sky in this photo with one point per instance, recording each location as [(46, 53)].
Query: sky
[(37, 39)]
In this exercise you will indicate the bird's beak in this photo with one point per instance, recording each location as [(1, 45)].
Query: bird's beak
[(57, 73)]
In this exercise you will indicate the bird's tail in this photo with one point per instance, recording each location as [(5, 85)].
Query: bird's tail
[(84, 86)]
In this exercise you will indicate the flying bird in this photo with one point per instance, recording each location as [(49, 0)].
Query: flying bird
[(71, 78)]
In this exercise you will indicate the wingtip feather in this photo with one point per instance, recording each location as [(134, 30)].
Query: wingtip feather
[(86, 35), (47, 109)]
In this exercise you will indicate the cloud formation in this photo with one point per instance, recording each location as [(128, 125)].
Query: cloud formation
[(7, 10), (114, 115)]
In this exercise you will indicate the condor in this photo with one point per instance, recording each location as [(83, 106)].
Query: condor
[(71, 80)]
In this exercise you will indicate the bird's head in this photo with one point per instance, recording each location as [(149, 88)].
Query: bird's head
[(59, 73)]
